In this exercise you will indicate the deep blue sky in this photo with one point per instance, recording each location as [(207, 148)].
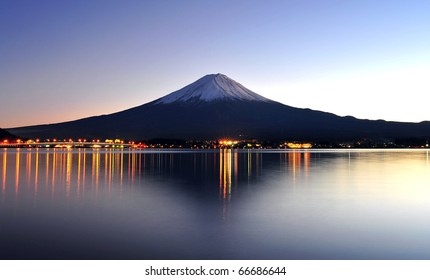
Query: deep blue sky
[(63, 60)]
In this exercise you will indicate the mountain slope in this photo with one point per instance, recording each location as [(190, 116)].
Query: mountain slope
[(5, 135), (216, 106)]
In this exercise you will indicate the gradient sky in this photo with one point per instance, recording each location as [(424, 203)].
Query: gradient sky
[(64, 60)]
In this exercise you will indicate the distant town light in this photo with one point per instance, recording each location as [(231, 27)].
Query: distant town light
[(292, 145), (227, 142)]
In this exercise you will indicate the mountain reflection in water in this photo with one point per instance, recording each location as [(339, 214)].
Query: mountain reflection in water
[(214, 204)]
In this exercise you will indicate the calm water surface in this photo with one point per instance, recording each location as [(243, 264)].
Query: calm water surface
[(228, 204)]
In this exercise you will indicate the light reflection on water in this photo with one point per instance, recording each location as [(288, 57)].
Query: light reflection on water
[(222, 204)]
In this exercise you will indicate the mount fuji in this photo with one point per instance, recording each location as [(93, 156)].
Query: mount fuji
[(215, 87), (216, 106)]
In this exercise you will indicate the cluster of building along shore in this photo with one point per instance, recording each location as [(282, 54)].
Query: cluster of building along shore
[(211, 144)]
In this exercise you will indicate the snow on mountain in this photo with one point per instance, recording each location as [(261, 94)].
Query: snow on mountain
[(210, 88)]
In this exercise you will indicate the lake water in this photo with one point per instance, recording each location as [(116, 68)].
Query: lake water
[(214, 204)]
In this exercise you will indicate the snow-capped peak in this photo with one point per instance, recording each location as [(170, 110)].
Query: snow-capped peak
[(211, 88)]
